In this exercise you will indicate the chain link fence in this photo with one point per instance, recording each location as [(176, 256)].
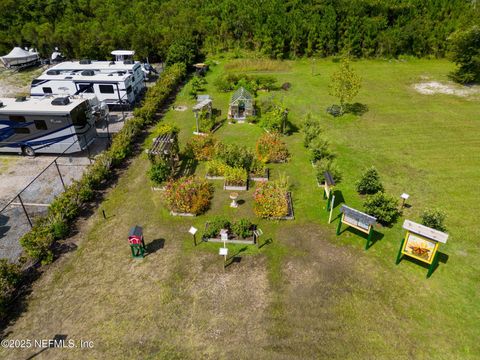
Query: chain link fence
[(19, 214)]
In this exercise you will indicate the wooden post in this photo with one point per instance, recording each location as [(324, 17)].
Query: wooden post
[(331, 209), (369, 238), (433, 265), (339, 225), (400, 255)]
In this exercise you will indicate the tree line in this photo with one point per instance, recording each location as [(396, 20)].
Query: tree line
[(278, 28)]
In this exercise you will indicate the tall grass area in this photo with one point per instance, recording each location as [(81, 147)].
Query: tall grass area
[(306, 294)]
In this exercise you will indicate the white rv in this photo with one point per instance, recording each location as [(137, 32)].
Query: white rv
[(102, 67), (46, 125), (114, 88)]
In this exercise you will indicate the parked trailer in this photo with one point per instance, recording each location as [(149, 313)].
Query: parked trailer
[(114, 88), (103, 67), (46, 125)]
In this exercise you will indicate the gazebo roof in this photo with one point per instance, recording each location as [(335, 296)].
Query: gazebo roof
[(241, 94)]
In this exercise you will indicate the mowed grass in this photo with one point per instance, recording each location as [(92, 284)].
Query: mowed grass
[(307, 293)]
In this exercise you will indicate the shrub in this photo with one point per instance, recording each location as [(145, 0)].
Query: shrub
[(206, 122), (235, 176), (188, 195), (384, 207), (370, 182), (38, 240), (275, 119), (243, 228), (197, 84), (270, 148), (330, 166), (320, 149), (216, 168), (252, 83), (311, 130), (270, 199), (215, 225), (201, 148), (234, 155), (159, 172), (434, 218), (10, 276)]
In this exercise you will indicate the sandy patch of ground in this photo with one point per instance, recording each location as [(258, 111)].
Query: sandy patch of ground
[(435, 87), (17, 83)]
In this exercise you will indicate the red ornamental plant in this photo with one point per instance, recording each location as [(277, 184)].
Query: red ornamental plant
[(188, 195), (271, 199), (270, 148)]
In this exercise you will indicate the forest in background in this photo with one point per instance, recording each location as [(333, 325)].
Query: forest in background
[(277, 28)]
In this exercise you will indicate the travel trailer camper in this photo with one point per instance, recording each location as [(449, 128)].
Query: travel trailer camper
[(115, 88), (46, 125)]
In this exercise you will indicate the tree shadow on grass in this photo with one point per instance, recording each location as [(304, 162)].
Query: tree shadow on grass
[(155, 245)]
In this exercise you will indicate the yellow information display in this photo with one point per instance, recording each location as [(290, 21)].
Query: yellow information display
[(421, 243), (419, 247)]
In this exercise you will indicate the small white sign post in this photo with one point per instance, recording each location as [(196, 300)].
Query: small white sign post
[(405, 197), (331, 209), (193, 231), (224, 251)]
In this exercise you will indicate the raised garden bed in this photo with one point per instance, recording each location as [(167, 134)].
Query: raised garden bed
[(159, 188), (232, 238), (174, 213), (265, 176), (210, 177), (235, 187), (290, 215)]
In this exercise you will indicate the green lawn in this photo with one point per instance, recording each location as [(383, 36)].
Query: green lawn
[(308, 293)]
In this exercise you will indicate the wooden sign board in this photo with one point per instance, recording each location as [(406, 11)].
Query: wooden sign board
[(223, 251), (329, 183), (357, 219), (421, 243)]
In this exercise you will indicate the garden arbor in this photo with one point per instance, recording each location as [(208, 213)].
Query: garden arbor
[(241, 105), (203, 107), (166, 148)]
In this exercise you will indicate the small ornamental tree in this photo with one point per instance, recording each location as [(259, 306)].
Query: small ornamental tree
[(434, 218), (329, 165), (311, 130), (370, 182), (271, 148), (344, 84), (384, 207), (275, 119), (270, 199), (188, 195)]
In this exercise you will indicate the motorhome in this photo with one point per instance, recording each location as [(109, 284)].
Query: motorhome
[(114, 88), (46, 125)]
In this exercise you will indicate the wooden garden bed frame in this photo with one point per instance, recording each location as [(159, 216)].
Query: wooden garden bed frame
[(290, 215), (260, 179)]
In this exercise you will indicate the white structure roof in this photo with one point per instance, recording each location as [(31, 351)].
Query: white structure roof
[(38, 105), (425, 231), (100, 66), (123, 52), (98, 76), (201, 104)]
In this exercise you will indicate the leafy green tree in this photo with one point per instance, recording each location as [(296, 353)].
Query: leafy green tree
[(345, 84), (181, 51), (370, 182), (466, 54), (434, 218)]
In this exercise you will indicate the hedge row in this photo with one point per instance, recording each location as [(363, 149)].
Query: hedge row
[(65, 208)]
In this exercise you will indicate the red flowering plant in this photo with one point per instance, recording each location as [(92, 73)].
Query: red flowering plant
[(270, 199), (189, 195), (271, 148)]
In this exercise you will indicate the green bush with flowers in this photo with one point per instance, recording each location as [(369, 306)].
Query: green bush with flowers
[(270, 199), (271, 148), (188, 195)]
